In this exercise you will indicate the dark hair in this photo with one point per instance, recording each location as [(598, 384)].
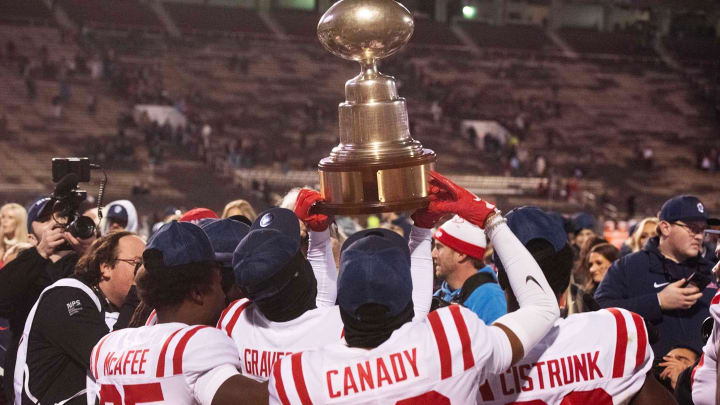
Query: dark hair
[(606, 250), (581, 269), (140, 316), (102, 251), (555, 266), (163, 287), (477, 263)]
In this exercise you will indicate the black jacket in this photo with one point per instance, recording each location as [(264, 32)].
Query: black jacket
[(21, 282), (633, 282)]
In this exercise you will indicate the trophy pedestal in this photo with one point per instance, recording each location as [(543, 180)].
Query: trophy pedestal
[(351, 188)]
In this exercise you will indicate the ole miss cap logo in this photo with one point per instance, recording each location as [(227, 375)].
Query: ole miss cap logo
[(700, 208), (266, 220)]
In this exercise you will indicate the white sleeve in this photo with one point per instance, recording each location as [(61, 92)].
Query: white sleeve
[(538, 304), (208, 384), (321, 259), (208, 360), (421, 269)]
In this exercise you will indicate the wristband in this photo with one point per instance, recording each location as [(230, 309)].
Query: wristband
[(492, 223)]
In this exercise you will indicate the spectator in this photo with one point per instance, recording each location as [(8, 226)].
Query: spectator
[(458, 255), (239, 207), (71, 316), (674, 363), (119, 215), (23, 279), (579, 298), (600, 258), (644, 230), (583, 229), (13, 228), (653, 282)]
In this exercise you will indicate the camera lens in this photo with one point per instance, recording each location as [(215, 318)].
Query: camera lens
[(83, 228)]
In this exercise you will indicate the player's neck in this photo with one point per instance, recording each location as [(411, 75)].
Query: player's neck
[(183, 313)]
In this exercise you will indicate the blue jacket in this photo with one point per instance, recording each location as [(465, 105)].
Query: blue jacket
[(633, 282), (487, 301)]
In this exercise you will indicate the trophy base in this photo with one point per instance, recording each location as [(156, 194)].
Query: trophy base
[(367, 188)]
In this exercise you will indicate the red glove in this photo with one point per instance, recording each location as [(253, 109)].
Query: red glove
[(447, 197), (306, 199), (425, 218)]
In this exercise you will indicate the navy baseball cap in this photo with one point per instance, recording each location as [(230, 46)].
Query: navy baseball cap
[(178, 243), (375, 269), (117, 213), (583, 220), (272, 243), (36, 210), (528, 223), (225, 235), (686, 208)]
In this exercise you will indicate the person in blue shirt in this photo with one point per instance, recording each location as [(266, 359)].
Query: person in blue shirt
[(458, 256)]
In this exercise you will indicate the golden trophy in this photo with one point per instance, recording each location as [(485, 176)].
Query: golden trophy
[(378, 166)]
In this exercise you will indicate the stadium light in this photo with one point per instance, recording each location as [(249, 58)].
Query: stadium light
[(469, 12)]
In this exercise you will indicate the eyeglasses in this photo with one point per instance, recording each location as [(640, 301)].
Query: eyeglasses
[(694, 229), (137, 262)]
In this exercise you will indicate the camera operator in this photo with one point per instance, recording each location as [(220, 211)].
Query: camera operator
[(71, 316), (23, 279)]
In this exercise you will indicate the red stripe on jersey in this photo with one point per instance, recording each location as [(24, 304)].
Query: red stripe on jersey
[(279, 387), (641, 339), (716, 299), (163, 351), (152, 316), (620, 344), (97, 355), (180, 348), (443, 346), (225, 312), (235, 317), (699, 365), (299, 379), (468, 359)]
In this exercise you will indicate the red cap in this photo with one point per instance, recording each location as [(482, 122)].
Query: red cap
[(197, 214)]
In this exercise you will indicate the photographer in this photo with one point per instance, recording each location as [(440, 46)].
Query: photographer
[(23, 279), (71, 316)]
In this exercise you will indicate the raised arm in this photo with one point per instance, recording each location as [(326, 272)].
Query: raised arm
[(319, 253), (421, 270), (538, 305)]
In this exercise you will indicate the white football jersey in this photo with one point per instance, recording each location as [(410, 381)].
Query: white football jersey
[(598, 358), (437, 360), (260, 342), (704, 376), (169, 363)]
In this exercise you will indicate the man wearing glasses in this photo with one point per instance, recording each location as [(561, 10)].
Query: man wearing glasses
[(666, 282), (71, 316)]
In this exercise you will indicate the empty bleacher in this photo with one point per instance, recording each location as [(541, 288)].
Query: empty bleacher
[(118, 14), (212, 19), (428, 32), (589, 41), (524, 37), (297, 24), (32, 12)]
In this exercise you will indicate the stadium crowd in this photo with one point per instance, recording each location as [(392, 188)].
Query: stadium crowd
[(458, 302)]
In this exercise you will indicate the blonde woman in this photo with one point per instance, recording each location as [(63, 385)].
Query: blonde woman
[(645, 230), (13, 228), (240, 207)]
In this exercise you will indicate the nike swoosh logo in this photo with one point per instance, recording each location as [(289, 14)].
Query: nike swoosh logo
[(531, 278), (656, 285)]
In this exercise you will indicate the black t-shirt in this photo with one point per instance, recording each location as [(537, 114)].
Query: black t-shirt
[(66, 326)]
